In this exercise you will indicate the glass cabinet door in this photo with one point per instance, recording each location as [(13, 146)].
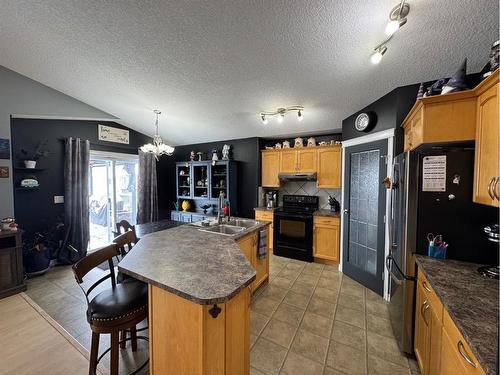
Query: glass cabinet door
[(219, 179), (200, 181), (183, 181)]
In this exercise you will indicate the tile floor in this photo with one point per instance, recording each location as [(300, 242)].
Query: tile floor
[(309, 319)]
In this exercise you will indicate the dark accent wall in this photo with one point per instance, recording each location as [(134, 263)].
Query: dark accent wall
[(35, 210), (244, 151)]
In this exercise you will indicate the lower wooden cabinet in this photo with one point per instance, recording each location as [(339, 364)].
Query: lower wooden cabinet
[(326, 238), (267, 215), (439, 347), (248, 245), (185, 338)]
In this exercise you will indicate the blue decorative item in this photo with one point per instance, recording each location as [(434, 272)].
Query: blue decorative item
[(4, 148)]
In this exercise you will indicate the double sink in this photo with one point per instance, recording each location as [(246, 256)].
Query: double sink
[(231, 228)]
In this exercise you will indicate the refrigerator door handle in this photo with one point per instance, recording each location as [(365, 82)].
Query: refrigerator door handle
[(388, 260)]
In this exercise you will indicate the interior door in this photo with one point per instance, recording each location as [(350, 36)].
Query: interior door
[(364, 210)]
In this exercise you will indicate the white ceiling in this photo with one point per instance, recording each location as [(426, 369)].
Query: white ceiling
[(211, 66)]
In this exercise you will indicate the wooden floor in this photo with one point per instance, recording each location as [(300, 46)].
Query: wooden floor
[(32, 342)]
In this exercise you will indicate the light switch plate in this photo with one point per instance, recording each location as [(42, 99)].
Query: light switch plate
[(58, 199)]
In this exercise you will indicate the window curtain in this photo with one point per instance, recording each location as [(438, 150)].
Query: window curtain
[(147, 189), (76, 198)]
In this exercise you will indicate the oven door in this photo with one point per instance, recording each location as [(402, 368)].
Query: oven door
[(293, 236)]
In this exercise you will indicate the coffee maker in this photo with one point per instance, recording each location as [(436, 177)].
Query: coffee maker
[(271, 198)]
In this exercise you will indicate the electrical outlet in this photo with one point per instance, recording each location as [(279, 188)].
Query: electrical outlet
[(58, 199)]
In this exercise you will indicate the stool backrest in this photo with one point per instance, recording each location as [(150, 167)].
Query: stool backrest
[(125, 242), (124, 226), (93, 260)]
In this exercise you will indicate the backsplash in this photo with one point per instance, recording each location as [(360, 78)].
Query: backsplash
[(308, 188)]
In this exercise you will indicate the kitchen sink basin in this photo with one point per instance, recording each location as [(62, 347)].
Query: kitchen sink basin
[(246, 223), (224, 229)]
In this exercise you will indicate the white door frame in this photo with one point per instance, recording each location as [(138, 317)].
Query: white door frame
[(384, 134)]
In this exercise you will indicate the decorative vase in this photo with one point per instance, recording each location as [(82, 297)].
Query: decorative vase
[(185, 205), (31, 164)]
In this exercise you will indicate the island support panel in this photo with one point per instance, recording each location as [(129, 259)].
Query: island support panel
[(186, 339)]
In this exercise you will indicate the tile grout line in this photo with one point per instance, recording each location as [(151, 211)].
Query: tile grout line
[(331, 331)]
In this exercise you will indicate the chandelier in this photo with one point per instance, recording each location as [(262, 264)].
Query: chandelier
[(157, 148)]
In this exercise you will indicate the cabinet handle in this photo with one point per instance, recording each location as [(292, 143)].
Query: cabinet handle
[(424, 284), (495, 188), (423, 309), (489, 188), (461, 350)]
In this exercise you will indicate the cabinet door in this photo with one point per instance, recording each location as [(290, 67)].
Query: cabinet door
[(421, 345), (175, 216), (450, 361), (329, 167), (289, 161), (326, 242), (186, 218), (261, 267), (306, 160), (270, 236), (270, 168), (408, 144), (417, 130), (487, 149), (435, 334)]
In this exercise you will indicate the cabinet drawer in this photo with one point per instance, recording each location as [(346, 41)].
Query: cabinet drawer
[(326, 220), (431, 296), (457, 345), (264, 215)]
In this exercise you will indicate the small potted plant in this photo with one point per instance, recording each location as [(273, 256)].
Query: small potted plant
[(30, 158)]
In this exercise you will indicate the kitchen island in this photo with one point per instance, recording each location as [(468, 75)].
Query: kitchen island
[(199, 297)]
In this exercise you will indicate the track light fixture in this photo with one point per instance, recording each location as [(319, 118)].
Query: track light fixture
[(281, 112), (397, 18)]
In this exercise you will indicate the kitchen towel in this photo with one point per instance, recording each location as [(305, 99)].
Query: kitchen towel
[(262, 248)]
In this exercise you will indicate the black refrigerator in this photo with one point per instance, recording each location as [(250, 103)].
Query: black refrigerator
[(431, 192)]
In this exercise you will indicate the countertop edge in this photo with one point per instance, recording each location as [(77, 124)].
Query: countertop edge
[(189, 297), (487, 369)]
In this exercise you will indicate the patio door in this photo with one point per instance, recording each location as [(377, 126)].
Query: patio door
[(364, 210), (112, 194)]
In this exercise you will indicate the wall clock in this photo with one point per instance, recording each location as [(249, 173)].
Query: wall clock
[(364, 121)]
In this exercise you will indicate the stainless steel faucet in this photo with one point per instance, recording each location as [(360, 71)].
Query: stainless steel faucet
[(220, 210)]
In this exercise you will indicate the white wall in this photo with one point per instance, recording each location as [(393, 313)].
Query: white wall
[(21, 96)]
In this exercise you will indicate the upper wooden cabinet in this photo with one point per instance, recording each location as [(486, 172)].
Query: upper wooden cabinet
[(329, 167), (298, 160), (486, 169), (270, 168), (289, 160), (442, 118)]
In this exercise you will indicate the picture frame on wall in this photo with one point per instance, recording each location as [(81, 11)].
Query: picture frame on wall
[(4, 148), (4, 172)]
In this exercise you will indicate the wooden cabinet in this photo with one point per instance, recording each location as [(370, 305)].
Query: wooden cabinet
[(326, 238), (185, 338), (441, 119), (486, 168), (329, 167), (248, 245), (439, 347), (267, 215), (270, 168), (11, 264), (289, 160), (306, 160)]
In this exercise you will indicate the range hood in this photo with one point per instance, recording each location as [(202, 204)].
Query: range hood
[(297, 176)]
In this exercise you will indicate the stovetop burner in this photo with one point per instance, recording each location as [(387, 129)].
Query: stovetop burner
[(492, 272)]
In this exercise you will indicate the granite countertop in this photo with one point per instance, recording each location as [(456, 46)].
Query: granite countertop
[(472, 302), (325, 212), (147, 228), (205, 268)]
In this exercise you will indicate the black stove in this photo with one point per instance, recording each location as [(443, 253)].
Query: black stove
[(293, 227)]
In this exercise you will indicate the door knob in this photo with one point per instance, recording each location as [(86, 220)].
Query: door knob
[(346, 211)]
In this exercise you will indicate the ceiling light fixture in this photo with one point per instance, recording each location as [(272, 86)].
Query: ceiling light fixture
[(397, 18), (157, 147), (281, 112)]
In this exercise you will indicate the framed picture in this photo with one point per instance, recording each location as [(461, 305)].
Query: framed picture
[(4, 172), (4, 148), (110, 134)]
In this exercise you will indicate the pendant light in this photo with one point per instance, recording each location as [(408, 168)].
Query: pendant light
[(157, 147)]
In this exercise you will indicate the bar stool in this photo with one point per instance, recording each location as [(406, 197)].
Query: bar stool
[(111, 310), (124, 226)]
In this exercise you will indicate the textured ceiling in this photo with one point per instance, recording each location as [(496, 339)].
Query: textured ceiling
[(211, 66)]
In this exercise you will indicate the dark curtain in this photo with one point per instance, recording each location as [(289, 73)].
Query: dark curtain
[(76, 198), (147, 190)]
